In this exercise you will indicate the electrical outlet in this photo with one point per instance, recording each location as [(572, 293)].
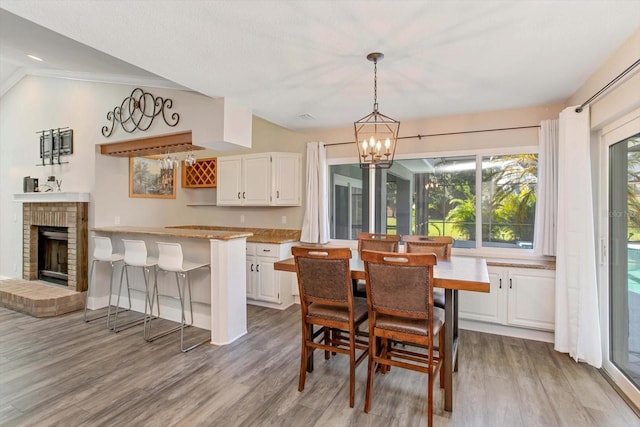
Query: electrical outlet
[(284, 219), (116, 220), (241, 219)]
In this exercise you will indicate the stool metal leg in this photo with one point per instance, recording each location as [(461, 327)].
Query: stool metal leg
[(187, 283), (136, 321), (91, 273), (148, 337)]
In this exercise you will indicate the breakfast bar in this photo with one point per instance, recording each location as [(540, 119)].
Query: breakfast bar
[(224, 289)]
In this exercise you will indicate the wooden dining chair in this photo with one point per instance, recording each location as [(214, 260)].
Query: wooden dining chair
[(400, 304), (439, 245), (374, 242), (326, 300)]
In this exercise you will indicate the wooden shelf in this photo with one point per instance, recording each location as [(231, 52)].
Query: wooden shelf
[(171, 143), (201, 175)]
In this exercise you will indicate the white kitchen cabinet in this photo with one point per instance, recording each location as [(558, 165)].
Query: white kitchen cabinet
[(229, 191), (519, 297), (287, 179), (266, 286), (261, 179)]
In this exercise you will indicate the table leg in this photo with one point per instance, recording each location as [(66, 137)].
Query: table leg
[(448, 349), (455, 330)]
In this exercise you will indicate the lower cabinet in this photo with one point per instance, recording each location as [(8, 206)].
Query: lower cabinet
[(266, 286), (519, 297)]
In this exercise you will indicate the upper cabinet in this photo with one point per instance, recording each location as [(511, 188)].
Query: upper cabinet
[(262, 179)]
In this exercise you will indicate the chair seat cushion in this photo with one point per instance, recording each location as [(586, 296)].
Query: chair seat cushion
[(340, 314), (410, 326)]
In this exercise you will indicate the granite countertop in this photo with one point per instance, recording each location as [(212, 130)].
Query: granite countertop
[(259, 235), (540, 264), (222, 234)]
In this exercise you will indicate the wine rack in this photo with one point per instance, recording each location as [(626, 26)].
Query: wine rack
[(201, 175)]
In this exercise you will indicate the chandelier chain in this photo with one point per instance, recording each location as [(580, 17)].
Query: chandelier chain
[(375, 85)]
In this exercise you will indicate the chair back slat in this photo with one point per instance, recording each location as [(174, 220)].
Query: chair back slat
[(439, 245), (170, 257), (102, 249), (135, 252), (323, 275), (400, 284), (378, 242)]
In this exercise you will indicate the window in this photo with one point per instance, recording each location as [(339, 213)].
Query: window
[(509, 200), (438, 196)]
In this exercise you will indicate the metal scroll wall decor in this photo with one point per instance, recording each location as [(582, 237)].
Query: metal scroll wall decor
[(138, 111)]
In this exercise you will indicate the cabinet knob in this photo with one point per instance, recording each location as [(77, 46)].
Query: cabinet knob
[(500, 283), (238, 194), (277, 194), (266, 250), (258, 268), (251, 267), (243, 193), (510, 283)]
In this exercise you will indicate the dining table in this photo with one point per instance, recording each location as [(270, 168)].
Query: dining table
[(453, 274)]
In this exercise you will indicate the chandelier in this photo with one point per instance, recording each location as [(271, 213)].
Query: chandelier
[(376, 134)]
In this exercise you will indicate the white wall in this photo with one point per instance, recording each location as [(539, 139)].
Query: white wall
[(37, 103)]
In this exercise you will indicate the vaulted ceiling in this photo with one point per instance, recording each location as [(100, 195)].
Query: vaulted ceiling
[(301, 64)]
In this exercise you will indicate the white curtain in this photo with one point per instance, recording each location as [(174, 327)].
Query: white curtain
[(315, 226), (577, 329), (544, 239)]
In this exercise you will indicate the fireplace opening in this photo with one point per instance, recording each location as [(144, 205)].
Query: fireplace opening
[(52, 254)]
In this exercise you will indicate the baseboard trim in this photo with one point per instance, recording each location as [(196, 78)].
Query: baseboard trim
[(510, 331)]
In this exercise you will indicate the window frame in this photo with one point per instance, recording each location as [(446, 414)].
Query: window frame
[(479, 250)]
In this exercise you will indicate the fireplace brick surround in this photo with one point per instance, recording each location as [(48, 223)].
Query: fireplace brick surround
[(72, 215)]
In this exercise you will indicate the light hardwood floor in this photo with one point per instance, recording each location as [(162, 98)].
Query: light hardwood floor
[(61, 371)]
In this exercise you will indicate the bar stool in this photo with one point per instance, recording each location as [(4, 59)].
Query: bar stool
[(102, 252), (170, 259), (135, 255)]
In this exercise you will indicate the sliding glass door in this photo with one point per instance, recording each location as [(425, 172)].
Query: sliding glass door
[(624, 258)]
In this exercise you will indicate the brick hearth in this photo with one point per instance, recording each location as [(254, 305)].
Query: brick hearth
[(72, 215)]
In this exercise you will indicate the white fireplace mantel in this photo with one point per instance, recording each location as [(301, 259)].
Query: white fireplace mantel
[(51, 197)]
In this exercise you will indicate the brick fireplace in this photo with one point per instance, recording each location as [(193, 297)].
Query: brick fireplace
[(71, 216)]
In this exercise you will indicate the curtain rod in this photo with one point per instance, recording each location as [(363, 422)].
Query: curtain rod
[(608, 85), (445, 134)]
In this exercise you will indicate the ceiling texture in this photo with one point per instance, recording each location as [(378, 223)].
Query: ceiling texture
[(302, 64)]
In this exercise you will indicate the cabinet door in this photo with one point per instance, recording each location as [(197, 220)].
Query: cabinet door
[(269, 288), (531, 298), (485, 307), (252, 277), (257, 179), (287, 179), (229, 181)]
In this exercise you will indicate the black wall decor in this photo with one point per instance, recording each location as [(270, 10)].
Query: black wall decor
[(55, 143), (138, 111)]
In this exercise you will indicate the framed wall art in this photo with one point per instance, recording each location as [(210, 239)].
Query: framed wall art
[(147, 179)]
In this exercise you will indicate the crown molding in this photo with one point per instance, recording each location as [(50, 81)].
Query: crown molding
[(156, 82)]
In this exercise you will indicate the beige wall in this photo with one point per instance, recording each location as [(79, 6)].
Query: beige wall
[(624, 97), (468, 143)]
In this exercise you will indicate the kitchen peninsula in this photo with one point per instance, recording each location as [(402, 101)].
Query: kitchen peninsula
[(225, 289)]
